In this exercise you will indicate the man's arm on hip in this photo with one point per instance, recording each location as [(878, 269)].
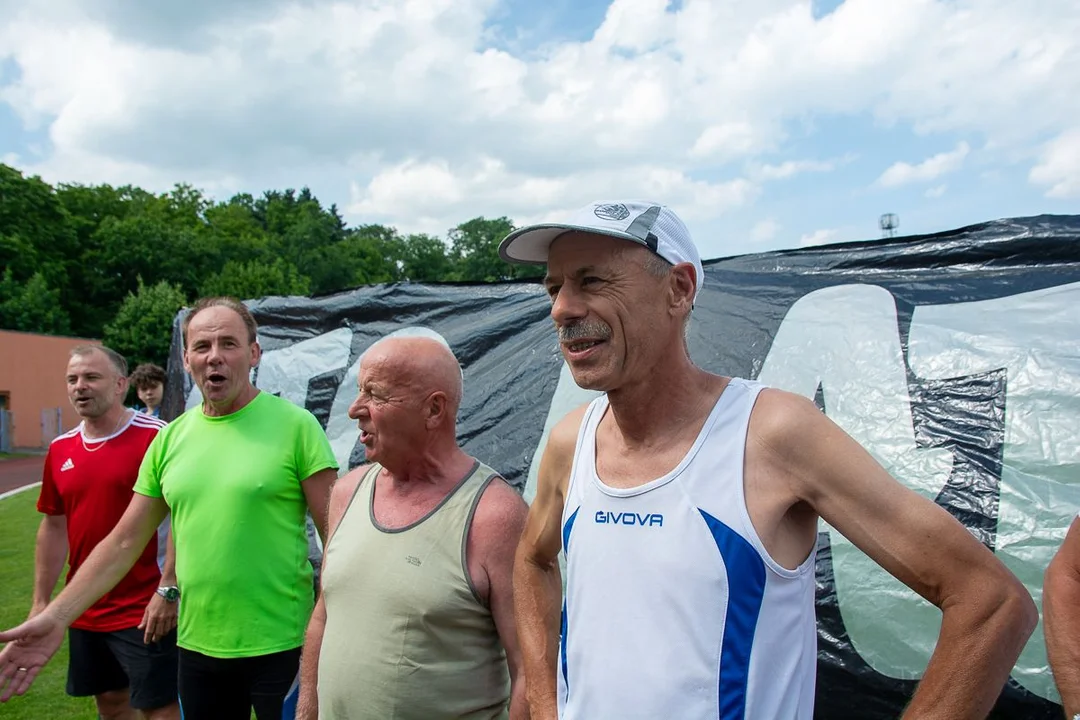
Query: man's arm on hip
[(987, 614), (1061, 619)]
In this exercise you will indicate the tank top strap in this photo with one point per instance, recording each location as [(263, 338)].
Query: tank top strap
[(465, 496), (584, 463)]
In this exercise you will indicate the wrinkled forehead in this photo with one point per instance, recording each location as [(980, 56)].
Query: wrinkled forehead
[(217, 320), (573, 252), (377, 365), (576, 244)]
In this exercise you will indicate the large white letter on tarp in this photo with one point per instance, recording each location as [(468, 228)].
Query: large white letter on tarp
[(288, 371), (1035, 336), (846, 339)]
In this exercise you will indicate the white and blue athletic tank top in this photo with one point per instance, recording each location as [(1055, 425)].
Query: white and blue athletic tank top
[(673, 608)]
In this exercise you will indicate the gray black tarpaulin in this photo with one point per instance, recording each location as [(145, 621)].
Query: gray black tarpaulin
[(954, 358)]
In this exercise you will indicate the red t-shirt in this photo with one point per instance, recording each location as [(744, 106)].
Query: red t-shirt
[(92, 488)]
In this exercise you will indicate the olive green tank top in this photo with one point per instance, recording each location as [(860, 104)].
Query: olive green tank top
[(407, 636)]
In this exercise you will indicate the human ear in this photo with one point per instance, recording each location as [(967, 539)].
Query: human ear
[(683, 285), (436, 408)]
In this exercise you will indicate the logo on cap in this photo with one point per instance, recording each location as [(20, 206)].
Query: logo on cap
[(611, 212)]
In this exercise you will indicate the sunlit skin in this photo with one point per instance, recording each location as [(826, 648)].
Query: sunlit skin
[(604, 302), (220, 355), (397, 377), (96, 390), (151, 395)]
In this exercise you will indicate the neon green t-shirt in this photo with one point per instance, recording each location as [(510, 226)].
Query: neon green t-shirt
[(233, 485)]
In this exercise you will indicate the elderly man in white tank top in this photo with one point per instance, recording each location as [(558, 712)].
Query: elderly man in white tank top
[(687, 506)]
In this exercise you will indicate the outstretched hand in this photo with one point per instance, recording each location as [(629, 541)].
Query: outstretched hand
[(29, 647)]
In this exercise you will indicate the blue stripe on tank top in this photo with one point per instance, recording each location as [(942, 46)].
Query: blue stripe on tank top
[(746, 588), (567, 528)]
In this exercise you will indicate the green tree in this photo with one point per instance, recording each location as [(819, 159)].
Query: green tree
[(18, 256), (186, 204), (474, 248), (146, 245), (89, 205), (92, 302), (142, 328), (36, 234), (233, 232), (32, 306), (368, 254), (254, 279), (424, 259)]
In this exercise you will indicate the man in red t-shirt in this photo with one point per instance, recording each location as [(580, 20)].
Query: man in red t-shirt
[(123, 648)]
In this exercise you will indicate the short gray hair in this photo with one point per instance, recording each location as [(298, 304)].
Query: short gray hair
[(656, 265), (659, 267), (117, 360)]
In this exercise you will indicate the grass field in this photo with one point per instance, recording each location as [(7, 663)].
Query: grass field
[(46, 700)]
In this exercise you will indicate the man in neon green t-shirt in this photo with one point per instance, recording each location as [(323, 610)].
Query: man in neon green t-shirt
[(239, 474)]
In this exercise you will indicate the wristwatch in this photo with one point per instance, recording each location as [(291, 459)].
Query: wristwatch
[(171, 593)]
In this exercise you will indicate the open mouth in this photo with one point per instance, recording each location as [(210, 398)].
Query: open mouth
[(215, 378), (364, 436), (580, 348)]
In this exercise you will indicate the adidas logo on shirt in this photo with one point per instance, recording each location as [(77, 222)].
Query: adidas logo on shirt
[(68, 465)]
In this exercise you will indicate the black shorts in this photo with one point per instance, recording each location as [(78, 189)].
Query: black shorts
[(102, 662)]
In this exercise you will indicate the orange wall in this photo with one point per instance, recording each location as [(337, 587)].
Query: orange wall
[(32, 375)]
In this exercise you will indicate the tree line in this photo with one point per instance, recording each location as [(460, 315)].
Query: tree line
[(117, 263)]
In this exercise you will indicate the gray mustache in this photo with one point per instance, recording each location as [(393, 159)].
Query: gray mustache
[(581, 330)]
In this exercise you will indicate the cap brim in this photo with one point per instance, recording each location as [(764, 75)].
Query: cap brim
[(530, 245)]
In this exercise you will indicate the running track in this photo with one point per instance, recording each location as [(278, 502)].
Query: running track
[(20, 472)]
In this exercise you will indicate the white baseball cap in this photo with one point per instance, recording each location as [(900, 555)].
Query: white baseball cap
[(657, 227)]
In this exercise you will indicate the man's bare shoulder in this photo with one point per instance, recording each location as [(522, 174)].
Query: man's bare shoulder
[(350, 480), (785, 422), (500, 509), (563, 436), (342, 493), (792, 441)]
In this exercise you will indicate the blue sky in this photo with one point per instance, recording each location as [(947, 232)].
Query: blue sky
[(765, 123)]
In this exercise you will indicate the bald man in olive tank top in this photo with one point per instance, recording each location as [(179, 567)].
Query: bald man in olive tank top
[(415, 617)]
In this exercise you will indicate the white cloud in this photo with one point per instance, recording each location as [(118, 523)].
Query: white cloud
[(418, 196), (818, 237), (902, 173), (416, 114), (1059, 166), (727, 141), (791, 168), (765, 230), (936, 191)]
